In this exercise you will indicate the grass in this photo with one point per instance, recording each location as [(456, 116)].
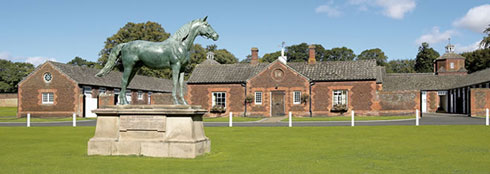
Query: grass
[(235, 119), (348, 118), (8, 111), (362, 149), (15, 119)]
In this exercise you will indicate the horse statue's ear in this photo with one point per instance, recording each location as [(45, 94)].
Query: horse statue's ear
[(205, 18)]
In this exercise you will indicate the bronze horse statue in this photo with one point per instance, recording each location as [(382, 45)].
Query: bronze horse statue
[(173, 52)]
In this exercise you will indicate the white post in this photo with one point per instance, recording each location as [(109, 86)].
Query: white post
[(487, 117), (28, 119), (416, 117), (290, 119), (352, 118), (74, 120), (231, 120)]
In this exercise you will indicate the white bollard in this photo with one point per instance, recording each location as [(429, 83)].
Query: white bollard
[(28, 119), (352, 118), (74, 120), (487, 117), (231, 120), (290, 119), (416, 117)]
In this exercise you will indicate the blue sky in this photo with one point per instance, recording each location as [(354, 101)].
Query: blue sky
[(36, 31)]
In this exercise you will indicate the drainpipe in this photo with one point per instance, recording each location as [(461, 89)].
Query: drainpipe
[(311, 84), (244, 100)]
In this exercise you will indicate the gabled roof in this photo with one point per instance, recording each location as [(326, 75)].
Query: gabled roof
[(474, 78), (86, 76), (320, 71)]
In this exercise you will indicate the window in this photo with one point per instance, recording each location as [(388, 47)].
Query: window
[(149, 97), (296, 97), (102, 90), (87, 90), (219, 98), (451, 65), (340, 97), (258, 98), (48, 98), (140, 95)]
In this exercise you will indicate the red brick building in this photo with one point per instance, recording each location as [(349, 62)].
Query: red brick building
[(331, 88), (59, 90)]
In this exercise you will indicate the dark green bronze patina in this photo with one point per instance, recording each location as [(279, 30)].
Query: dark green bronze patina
[(173, 52)]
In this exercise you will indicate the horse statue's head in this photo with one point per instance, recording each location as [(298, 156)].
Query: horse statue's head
[(206, 30)]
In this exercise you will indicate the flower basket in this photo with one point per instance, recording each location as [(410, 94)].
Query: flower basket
[(218, 109), (339, 108), (249, 99), (304, 98)]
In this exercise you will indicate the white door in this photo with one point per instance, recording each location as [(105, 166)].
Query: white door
[(90, 103), (424, 101)]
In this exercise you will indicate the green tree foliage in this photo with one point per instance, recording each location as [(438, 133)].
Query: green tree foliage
[(247, 59), (477, 60), (339, 54), (400, 66), (82, 62), (376, 54), (297, 53), (149, 31), (12, 73), (485, 43), (424, 62), (270, 57), (223, 56)]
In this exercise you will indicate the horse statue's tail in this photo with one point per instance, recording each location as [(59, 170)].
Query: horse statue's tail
[(111, 62)]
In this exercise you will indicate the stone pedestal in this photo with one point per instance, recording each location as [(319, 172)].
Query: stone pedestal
[(150, 130)]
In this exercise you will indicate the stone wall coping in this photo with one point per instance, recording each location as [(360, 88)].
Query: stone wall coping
[(167, 110)]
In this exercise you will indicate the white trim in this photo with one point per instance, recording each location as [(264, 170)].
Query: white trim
[(345, 98), (451, 65), (49, 98), (140, 95), (214, 98), (294, 97), (255, 98), (102, 90)]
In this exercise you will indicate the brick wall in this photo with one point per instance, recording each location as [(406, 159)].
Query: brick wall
[(66, 94), (8, 100), (162, 99), (398, 102), (201, 94), (480, 100)]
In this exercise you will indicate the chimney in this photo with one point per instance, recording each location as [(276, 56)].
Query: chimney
[(255, 56), (311, 59)]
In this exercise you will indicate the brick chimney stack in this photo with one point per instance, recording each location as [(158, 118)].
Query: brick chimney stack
[(255, 56), (311, 59)]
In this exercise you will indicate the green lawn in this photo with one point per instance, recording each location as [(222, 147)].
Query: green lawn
[(348, 118), (362, 149), (8, 111), (235, 119)]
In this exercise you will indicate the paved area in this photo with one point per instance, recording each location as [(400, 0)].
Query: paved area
[(427, 119)]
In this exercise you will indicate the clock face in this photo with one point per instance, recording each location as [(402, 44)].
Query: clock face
[(48, 77)]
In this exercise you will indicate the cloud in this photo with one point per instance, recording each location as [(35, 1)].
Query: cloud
[(329, 10), (435, 36), (395, 9), (38, 60), (467, 48), (476, 19)]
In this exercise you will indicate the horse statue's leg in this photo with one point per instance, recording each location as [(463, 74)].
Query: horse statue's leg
[(181, 87), (175, 79), (127, 76)]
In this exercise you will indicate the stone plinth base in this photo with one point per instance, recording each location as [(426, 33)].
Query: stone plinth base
[(150, 130)]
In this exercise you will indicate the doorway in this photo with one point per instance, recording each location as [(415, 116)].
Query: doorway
[(277, 104)]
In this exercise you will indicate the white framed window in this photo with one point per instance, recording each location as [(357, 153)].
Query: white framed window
[(258, 98), (48, 98), (297, 97), (87, 90), (140, 95), (102, 90), (339, 97), (149, 97), (219, 99), (451, 65)]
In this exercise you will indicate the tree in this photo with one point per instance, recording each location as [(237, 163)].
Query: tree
[(149, 31), (223, 56), (376, 54), (297, 53), (270, 57), (424, 62), (82, 62), (339, 54), (477, 60), (247, 59), (12, 73), (400, 66), (485, 43)]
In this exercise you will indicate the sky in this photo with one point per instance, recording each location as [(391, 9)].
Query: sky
[(36, 31)]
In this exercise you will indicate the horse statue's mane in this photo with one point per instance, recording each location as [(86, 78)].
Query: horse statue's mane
[(183, 31)]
